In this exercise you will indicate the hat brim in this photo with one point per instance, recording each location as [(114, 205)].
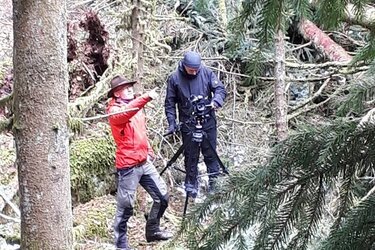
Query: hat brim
[(112, 91)]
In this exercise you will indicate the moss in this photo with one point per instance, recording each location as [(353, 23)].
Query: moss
[(91, 167), (13, 239), (94, 220), (75, 125), (7, 159)]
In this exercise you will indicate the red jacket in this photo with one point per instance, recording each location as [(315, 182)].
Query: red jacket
[(129, 131)]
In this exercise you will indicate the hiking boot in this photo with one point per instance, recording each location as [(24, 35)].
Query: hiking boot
[(158, 235)]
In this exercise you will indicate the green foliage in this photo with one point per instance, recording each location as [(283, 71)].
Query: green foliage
[(358, 230), (361, 91), (331, 13), (75, 125), (367, 53), (91, 165), (286, 196), (302, 8)]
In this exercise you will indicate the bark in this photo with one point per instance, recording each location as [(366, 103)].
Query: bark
[(223, 13), (40, 123), (323, 42), (137, 40), (281, 106)]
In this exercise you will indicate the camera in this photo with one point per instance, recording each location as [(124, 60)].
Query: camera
[(199, 113), (198, 104)]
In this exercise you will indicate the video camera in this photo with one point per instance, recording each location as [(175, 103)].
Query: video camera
[(199, 106), (199, 113)]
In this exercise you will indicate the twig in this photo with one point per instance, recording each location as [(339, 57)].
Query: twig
[(88, 71), (17, 220), (106, 115), (368, 194), (87, 90), (11, 204), (295, 114), (313, 65), (241, 122), (316, 94), (300, 47), (367, 118)]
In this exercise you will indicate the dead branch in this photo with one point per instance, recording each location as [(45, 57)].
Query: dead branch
[(16, 220), (82, 104), (316, 94), (11, 204), (238, 121), (323, 42), (308, 108)]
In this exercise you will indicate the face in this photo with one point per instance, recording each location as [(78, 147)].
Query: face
[(191, 71), (126, 92)]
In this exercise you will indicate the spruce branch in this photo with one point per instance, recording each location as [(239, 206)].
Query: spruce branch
[(358, 230), (289, 191)]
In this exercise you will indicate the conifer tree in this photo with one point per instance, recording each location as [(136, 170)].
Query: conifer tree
[(281, 203)]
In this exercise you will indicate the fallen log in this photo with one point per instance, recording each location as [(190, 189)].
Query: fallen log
[(323, 42)]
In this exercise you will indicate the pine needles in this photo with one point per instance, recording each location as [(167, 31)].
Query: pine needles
[(286, 197)]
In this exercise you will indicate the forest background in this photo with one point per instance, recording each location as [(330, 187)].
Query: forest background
[(296, 130)]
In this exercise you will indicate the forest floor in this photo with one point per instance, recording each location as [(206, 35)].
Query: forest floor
[(98, 209)]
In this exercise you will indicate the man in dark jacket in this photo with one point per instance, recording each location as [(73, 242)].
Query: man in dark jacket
[(133, 162), (191, 84)]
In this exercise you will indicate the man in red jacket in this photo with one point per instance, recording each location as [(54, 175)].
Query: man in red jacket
[(133, 161)]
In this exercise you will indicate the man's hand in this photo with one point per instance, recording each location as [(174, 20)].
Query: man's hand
[(153, 94), (171, 129), (214, 106)]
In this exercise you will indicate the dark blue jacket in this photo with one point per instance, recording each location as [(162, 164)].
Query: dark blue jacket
[(182, 86)]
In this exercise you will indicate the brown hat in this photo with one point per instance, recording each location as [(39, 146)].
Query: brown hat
[(118, 81)]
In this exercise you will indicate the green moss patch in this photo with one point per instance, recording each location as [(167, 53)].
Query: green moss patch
[(94, 220), (92, 167)]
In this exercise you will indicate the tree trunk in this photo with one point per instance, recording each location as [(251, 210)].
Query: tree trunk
[(223, 13), (137, 40), (323, 42), (40, 123), (280, 97)]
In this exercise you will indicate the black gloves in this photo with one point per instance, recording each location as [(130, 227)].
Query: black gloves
[(173, 128)]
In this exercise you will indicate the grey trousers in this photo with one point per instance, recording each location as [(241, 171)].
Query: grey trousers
[(128, 179)]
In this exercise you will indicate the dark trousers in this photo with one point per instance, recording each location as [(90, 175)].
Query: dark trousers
[(148, 177), (192, 152)]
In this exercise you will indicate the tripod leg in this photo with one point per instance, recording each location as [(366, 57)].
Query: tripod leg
[(186, 205), (174, 158), (208, 142)]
